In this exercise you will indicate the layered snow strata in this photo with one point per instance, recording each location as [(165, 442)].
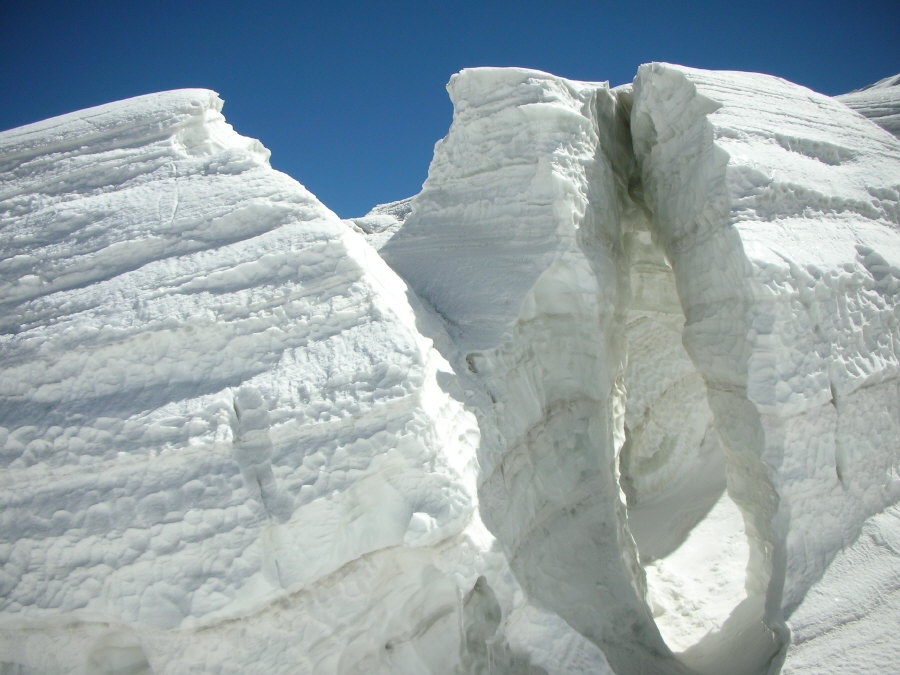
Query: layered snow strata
[(213, 399), (880, 102), (778, 211), (383, 221), (516, 241)]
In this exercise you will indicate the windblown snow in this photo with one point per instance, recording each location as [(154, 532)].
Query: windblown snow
[(616, 392), (880, 102)]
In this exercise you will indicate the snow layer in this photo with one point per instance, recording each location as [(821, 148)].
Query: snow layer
[(383, 221), (848, 619), (880, 102), (215, 399), (516, 242), (639, 393), (778, 211)]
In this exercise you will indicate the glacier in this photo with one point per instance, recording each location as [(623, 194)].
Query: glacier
[(616, 392)]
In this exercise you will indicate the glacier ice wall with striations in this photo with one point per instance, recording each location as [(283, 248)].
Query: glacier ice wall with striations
[(516, 241), (215, 399), (625, 389), (778, 211)]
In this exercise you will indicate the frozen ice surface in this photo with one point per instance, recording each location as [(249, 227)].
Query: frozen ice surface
[(619, 395)]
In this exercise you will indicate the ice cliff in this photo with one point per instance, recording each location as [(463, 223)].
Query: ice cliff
[(617, 391)]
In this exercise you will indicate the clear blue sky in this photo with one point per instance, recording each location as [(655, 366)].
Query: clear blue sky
[(349, 96)]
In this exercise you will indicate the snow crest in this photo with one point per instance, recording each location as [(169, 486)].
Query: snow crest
[(880, 102)]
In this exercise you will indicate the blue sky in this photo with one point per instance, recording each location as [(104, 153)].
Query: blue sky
[(349, 96)]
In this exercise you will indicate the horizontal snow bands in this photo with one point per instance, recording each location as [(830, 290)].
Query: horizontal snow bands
[(137, 513), (880, 105), (47, 270), (516, 468), (134, 121), (507, 190), (189, 513)]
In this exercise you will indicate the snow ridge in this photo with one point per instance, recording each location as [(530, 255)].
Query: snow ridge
[(880, 102)]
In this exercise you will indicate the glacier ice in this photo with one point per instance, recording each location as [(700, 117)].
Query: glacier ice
[(214, 396), (617, 391)]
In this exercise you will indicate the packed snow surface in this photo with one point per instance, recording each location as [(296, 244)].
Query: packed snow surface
[(880, 102), (616, 392)]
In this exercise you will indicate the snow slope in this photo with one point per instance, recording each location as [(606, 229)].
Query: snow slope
[(622, 399), (880, 102), (382, 222)]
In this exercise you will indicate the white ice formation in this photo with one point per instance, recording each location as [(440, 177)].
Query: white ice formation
[(880, 102), (620, 394)]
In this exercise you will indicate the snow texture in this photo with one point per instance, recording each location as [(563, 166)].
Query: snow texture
[(880, 102), (215, 404), (619, 395), (382, 222)]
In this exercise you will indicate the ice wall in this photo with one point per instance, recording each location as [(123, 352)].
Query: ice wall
[(215, 404), (708, 232), (516, 241), (778, 210)]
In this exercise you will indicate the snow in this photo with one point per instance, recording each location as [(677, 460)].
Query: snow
[(617, 391), (778, 211), (382, 222), (880, 102), (215, 395)]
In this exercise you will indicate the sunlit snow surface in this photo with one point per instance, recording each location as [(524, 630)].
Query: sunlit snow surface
[(627, 388), (880, 102)]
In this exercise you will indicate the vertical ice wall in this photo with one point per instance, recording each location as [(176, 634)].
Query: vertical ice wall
[(516, 241), (525, 239), (778, 210)]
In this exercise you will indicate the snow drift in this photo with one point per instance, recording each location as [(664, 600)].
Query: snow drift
[(621, 400)]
